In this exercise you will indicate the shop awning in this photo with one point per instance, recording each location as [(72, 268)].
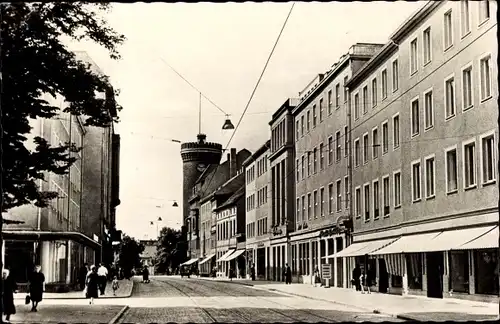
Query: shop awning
[(488, 240), (50, 236), (223, 258), (207, 258), (235, 255), (350, 250), (374, 246), (449, 240), (407, 244), (189, 262)]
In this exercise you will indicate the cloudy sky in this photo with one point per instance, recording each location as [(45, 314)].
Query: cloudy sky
[(221, 49)]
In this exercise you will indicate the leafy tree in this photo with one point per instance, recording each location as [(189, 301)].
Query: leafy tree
[(129, 256), (35, 61), (169, 250)]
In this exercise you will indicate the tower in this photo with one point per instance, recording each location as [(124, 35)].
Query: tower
[(196, 157)]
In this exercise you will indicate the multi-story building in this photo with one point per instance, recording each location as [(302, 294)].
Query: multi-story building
[(424, 130), (321, 168), (257, 191), (148, 255), (281, 167), (71, 230)]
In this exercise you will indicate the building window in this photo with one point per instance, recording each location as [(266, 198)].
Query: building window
[(365, 99), (315, 157), (375, 143), (397, 189), (367, 202), (414, 266), (427, 45), (322, 199), (429, 177), (486, 271), (395, 130), (485, 65), (376, 200), (384, 84), (415, 118), (356, 106), (337, 96), (346, 93), (346, 190), (297, 169), (346, 141), (385, 195), (330, 150), (470, 165), (339, 147), (465, 18), (309, 163), (298, 209), (450, 97), (385, 137), (448, 30), (356, 152), (358, 202), (415, 180), (315, 198), (329, 102), (302, 125), (309, 119), (321, 157), (459, 271), (330, 198), (303, 167), (395, 75), (413, 56), (428, 110), (467, 87), (488, 158), (309, 206), (365, 148), (314, 116), (451, 171), (303, 208), (374, 93), (321, 110), (484, 11), (339, 195)]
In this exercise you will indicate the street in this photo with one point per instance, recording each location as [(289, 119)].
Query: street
[(172, 299)]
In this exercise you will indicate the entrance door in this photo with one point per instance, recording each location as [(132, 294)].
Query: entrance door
[(383, 281), (435, 266)]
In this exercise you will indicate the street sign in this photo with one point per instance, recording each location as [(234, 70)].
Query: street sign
[(326, 271)]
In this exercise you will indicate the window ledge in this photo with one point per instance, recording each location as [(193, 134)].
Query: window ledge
[(415, 135), (486, 99), (367, 221), (474, 186), (448, 48), (482, 23), (358, 217), (413, 73), (377, 218), (430, 197), (465, 35), (396, 148), (387, 216), (394, 90), (448, 118), (452, 192), (427, 63), (489, 182), (416, 200), (397, 207), (429, 128), (465, 109)]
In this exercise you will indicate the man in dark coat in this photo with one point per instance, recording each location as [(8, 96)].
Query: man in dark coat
[(9, 289), (356, 274), (82, 275), (288, 275)]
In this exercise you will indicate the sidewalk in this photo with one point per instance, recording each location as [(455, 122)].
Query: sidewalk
[(409, 307), (124, 291)]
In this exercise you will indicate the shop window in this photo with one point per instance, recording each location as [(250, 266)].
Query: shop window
[(459, 271), (486, 272), (371, 272), (414, 269), (396, 281)]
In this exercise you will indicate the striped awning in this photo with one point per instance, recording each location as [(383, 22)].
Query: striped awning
[(223, 258), (488, 240), (452, 239), (407, 244), (189, 262), (235, 255), (207, 258), (394, 264)]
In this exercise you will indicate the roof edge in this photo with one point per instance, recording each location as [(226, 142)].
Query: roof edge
[(257, 153)]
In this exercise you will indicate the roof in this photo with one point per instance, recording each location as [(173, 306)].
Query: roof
[(231, 185), (414, 20), (233, 199), (257, 153), (288, 105)]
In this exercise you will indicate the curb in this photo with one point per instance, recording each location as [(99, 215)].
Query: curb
[(71, 298), (117, 317)]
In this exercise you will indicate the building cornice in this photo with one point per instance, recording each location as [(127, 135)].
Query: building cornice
[(280, 151), (260, 151), (414, 20)]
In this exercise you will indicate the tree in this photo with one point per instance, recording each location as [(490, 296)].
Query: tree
[(168, 250), (34, 61), (129, 256)]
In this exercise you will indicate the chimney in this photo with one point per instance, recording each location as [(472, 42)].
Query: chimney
[(232, 163)]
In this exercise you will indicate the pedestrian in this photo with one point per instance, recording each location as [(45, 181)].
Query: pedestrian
[(92, 281), (102, 272), (252, 271), (9, 289), (315, 276), (115, 285), (145, 275), (356, 273), (231, 274), (82, 274), (36, 287), (288, 274)]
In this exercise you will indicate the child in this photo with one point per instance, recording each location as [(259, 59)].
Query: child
[(115, 285)]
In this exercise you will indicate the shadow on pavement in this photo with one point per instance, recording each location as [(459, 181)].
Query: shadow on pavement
[(446, 316), (66, 314)]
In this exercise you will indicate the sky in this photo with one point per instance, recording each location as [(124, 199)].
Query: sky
[(221, 49)]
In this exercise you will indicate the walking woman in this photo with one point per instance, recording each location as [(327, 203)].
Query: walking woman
[(92, 284), (9, 289), (36, 287)]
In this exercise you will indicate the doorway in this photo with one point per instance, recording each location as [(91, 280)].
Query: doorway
[(383, 281), (435, 271)]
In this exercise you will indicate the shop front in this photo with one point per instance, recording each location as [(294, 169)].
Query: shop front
[(207, 265)]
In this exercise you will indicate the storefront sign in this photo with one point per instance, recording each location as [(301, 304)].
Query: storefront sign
[(326, 271)]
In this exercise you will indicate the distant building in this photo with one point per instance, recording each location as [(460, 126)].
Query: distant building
[(148, 255), (77, 224)]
